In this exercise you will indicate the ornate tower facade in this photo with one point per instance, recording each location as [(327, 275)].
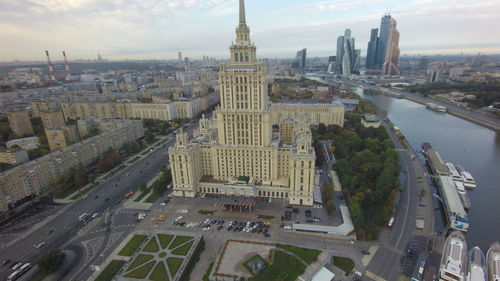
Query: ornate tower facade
[(241, 142)]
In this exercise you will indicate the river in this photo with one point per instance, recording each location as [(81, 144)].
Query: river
[(471, 146)]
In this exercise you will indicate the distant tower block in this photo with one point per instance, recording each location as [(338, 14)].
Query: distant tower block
[(66, 66), (51, 68)]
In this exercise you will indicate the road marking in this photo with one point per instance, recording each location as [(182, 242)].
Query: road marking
[(374, 276), (367, 258), (408, 201)]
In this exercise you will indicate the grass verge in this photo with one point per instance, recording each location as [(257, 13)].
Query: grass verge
[(207, 274), (159, 273), (110, 271), (183, 250), (141, 259), (152, 246), (132, 245), (141, 272), (284, 267), (165, 240), (173, 265), (178, 241), (308, 255), (346, 264)]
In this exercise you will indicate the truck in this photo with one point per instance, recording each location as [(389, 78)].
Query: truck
[(129, 194)]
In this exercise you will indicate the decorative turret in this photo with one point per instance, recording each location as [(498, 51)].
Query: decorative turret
[(181, 139), (243, 51)]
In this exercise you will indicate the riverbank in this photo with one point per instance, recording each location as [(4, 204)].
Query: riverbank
[(456, 113), (460, 113)]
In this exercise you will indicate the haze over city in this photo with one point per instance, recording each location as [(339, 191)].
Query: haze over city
[(135, 29)]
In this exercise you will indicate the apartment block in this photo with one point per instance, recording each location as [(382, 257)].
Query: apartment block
[(20, 123), (32, 177), (326, 113)]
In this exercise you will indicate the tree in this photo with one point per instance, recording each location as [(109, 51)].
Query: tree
[(51, 262), (330, 207)]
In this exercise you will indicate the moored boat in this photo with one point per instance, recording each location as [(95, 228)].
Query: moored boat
[(493, 262), (462, 193), (476, 269), (453, 261)]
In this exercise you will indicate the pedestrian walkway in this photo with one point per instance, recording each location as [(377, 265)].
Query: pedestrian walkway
[(374, 276), (336, 182), (367, 258)]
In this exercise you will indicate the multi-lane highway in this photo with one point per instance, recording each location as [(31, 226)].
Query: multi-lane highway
[(108, 196)]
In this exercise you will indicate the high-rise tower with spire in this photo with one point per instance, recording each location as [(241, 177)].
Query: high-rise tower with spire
[(240, 142)]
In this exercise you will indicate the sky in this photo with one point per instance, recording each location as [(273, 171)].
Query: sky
[(158, 29)]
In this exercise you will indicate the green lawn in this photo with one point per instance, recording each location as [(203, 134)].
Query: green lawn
[(308, 255), (183, 250), (346, 264), (141, 272), (155, 195), (284, 268), (110, 271), (141, 259), (165, 240), (132, 245), (264, 217), (39, 276), (178, 241), (159, 273), (144, 193), (174, 264), (207, 274), (152, 246), (134, 159)]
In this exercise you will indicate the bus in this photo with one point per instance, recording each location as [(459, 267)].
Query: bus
[(18, 273)]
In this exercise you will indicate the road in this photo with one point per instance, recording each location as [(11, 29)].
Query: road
[(391, 249), (65, 225)]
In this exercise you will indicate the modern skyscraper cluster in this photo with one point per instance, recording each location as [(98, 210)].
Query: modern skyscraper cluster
[(383, 50), (300, 59), (347, 60)]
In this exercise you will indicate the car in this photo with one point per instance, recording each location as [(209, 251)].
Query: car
[(50, 232), (229, 228), (365, 252), (147, 163), (85, 197), (267, 235), (296, 210), (97, 196), (140, 172), (5, 262), (16, 265), (220, 227), (39, 245), (106, 200), (95, 215), (357, 273), (116, 184), (162, 204)]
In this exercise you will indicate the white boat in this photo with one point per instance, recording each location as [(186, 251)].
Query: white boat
[(454, 173), (493, 262), (436, 107), (467, 178), (452, 267), (469, 181), (462, 193), (476, 269)]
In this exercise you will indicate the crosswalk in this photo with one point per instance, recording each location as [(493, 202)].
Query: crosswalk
[(374, 276)]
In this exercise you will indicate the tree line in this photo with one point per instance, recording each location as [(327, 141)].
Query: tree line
[(367, 166)]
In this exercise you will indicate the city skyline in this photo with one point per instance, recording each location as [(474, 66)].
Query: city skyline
[(159, 30)]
